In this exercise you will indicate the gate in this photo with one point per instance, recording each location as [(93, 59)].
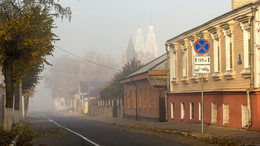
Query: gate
[(162, 112), (115, 108)]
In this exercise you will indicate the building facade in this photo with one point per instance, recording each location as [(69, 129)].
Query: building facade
[(232, 88), (144, 91)]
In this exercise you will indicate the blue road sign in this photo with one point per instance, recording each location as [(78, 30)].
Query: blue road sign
[(201, 46)]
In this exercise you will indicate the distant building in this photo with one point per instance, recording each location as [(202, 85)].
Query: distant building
[(144, 51), (144, 91)]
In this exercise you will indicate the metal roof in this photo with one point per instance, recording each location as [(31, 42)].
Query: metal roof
[(156, 64)]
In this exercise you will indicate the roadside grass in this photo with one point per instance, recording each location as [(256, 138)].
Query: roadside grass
[(24, 130)]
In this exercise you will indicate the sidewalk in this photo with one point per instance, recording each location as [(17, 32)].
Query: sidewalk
[(212, 134)]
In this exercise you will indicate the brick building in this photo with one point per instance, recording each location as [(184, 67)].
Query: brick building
[(144, 91), (232, 88)]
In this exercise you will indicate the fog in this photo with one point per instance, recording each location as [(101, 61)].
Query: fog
[(99, 31)]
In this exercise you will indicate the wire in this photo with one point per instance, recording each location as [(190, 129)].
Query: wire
[(89, 61)]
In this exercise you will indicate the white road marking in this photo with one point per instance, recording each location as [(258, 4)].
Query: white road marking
[(71, 131)]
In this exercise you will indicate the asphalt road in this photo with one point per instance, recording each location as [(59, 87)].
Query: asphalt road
[(58, 130)]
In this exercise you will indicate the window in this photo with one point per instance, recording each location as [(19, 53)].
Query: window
[(225, 114), (150, 97), (182, 110), (140, 98), (145, 98), (216, 56), (191, 110), (231, 54), (172, 110), (131, 99), (135, 99), (126, 98), (244, 115), (184, 62), (213, 113)]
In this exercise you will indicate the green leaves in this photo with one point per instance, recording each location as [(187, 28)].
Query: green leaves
[(113, 89)]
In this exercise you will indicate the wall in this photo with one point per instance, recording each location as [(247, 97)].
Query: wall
[(105, 108), (148, 109), (239, 83), (233, 99)]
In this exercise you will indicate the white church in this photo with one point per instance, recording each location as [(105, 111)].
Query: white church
[(143, 50)]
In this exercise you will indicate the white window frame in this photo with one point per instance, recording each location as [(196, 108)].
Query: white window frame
[(229, 59), (172, 110), (193, 53), (246, 38), (225, 114), (191, 110), (245, 117), (182, 110), (216, 56), (214, 118), (184, 61)]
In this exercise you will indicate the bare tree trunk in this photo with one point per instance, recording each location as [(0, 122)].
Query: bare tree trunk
[(7, 70)]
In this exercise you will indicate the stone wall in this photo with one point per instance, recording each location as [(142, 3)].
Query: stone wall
[(106, 108)]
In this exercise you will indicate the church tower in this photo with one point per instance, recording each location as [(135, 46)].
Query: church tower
[(151, 44), (139, 40), (130, 52), (240, 3)]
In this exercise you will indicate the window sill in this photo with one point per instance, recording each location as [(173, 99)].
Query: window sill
[(184, 80), (174, 81), (228, 75), (216, 76), (245, 73), (194, 79), (205, 78)]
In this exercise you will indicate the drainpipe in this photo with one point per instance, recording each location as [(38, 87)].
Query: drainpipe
[(251, 66), (136, 116), (168, 81)]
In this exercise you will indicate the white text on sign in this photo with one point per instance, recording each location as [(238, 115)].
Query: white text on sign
[(201, 60)]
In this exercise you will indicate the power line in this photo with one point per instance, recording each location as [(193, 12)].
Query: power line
[(89, 61)]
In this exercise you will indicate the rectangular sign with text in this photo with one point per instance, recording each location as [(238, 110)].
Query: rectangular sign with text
[(201, 60)]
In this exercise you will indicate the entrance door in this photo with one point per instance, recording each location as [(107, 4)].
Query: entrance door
[(162, 113)]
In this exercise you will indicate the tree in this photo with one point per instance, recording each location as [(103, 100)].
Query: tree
[(25, 40), (113, 89)]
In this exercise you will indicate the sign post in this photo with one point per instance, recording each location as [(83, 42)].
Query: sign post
[(201, 66)]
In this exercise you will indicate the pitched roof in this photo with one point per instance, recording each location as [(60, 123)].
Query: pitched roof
[(156, 64)]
